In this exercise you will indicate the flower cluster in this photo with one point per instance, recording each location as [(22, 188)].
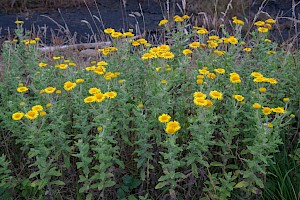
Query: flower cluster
[(171, 126)]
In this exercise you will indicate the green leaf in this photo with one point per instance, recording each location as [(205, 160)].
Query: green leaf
[(161, 184), (241, 184), (57, 182), (216, 164)]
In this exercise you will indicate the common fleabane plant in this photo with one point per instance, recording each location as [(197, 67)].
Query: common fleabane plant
[(199, 115)]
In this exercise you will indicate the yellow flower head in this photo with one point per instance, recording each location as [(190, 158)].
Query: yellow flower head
[(99, 97), (37, 108), (219, 70), (109, 30), (256, 106), (262, 89), (140, 105), (178, 18), (164, 118), (58, 91), (187, 51), (200, 101), (22, 103), (266, 110), (202, 31), (238, 97), (110, 94), (89, 99), (270, 21), (199, 95), (259, 23), (43, 113), (48, 105), (195, 45), (80, 80), (116, 35), (211, 75), (147, 56), (94, 91), (168, 55), (172, 127), (263, 30), (31, 114), (19, 22), (17, 116), (163, 22), (163, 81), (69, 85), (216, 95), (49, 90), (235, 78), (41, 64), (100, 70), (286, 99), (247, 49), (256, 74), (22, 89), (279, 110)]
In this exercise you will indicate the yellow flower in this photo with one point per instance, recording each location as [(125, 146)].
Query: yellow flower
[(220, 53), (233, 40), (31, 114), (135, 43), (259, 23), (128, 34), (269, 125), (286, 99), (235, 78), (99, 97), (256, 74), (271, 52), (256, 106), (209, 103), (41, 64), (172, 127), (37, 108), (163, 81), (213, 37), (100, 70), (187, 51), (238, 22), (270, 21), (262, 30), (62, 66), (202, 31), (216, 95), (194, 45), (22, 103), (185, 17), (69, 85), (48, 105), (238, 97), (22, 89), (17, 116), (147, 56), (116, 34), (212, 44), (140, 105), (199, 81), (19, 22), (271, 80), (278, 110), (157, 68), (267, 40), (121, 81), (262, 89), (200, 101), (110, 94), (266, 110), (211, 75), (168, 55), (99, 128), (80, 80), (89, 99), (164, 118), (177, 18), (56, 57), (247, 49), (58, 92), (292, 116), (163, 22), (94, 91), (49, 90), (219, 70), (199, 95), (109, 30), (43, 113)]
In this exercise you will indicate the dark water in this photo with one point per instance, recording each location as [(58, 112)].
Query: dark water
[(137, 14)]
